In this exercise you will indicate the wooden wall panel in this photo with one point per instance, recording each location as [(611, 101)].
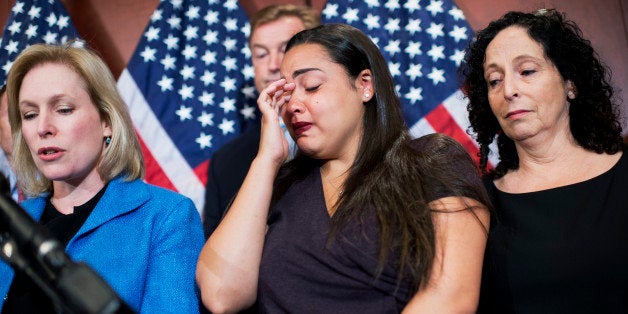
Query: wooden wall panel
[(5, 10)]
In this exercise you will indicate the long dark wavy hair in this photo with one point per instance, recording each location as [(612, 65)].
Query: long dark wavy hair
[(593, 114), (388, 173)]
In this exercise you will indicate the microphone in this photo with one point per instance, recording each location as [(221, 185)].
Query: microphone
[(29, 234), (28, 246)]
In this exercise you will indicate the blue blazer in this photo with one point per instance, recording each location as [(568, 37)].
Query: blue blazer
[(143, 240)]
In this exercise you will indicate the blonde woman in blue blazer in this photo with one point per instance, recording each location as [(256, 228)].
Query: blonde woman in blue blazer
[(77, 156)]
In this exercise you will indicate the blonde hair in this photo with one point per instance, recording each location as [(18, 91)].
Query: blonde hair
[(123, 155)]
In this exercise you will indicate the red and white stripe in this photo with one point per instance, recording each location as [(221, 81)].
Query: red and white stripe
[(165, 166), (450, 118)]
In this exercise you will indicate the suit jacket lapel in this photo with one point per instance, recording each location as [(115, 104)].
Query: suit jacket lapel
[(120, 198)]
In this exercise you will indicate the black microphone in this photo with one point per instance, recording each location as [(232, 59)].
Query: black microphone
[(75, 284), (5, 185), (29, 234)]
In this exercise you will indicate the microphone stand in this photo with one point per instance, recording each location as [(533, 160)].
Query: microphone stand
[(72, 286)]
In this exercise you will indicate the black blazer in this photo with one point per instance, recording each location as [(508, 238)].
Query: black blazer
[(227, 169)]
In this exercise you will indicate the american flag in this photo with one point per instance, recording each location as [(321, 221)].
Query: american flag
[(31, 22), (189, 87), (424, 43)]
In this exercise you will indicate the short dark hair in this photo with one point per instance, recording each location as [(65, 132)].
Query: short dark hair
[(593, 114)]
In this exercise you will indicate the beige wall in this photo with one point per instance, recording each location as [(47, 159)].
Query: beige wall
[(114, 27)]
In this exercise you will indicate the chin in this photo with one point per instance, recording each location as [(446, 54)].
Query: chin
[(59, 175), (521, 136), (308, 150)]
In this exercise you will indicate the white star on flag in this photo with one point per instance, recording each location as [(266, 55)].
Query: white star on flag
[(187, 74)]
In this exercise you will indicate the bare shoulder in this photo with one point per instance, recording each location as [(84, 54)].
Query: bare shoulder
[(460, 207)]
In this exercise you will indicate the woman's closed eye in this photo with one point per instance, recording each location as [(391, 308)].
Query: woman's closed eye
[(528, 72), (28, 115), (65, 110), (492, 83), (312, 88), (493, 78)]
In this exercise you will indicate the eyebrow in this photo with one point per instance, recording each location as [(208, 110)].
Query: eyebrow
[(303, 71), (259, 46), (517, 59), (52, 100)]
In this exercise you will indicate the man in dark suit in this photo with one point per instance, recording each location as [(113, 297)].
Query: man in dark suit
[(271, 28)]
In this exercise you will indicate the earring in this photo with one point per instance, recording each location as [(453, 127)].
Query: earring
[(571, 94), (367, 95), (107, 140)]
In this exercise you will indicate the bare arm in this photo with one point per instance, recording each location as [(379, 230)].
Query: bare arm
[(228, 266), (454, 285)]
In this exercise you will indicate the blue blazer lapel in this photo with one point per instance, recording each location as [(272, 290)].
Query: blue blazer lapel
[(120, 198), (35, 206)]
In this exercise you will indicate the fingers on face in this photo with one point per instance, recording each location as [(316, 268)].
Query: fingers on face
[(277, 94)]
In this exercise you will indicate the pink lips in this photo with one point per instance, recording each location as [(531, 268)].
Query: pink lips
[(516, 114), (49, 153), (300, 127)]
